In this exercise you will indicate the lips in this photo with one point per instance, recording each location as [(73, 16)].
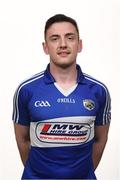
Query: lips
[(63, 53)]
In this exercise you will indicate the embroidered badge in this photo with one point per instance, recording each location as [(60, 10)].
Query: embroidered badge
[(89, 104)]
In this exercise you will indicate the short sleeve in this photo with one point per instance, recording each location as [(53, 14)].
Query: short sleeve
[(20, 107), (104, 113)]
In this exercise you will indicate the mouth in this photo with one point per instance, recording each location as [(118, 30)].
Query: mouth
[(63, 53)]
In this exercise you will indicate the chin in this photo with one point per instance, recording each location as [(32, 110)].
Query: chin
[(64, 65)]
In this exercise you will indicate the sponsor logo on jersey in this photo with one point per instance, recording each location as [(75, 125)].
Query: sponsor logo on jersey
[(66, 100), (62, 133), (89, 104), (42, 104)]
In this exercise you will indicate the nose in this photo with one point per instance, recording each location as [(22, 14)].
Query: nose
[(63, 43)]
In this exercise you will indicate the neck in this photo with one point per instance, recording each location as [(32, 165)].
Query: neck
[(63, 76)]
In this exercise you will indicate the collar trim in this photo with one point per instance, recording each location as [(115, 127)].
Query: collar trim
[(48, 78)]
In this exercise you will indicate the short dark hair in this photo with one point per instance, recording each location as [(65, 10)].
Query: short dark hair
[(60, 18)]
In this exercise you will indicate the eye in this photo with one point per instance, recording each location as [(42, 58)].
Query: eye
[(54, 38), (71, 37)]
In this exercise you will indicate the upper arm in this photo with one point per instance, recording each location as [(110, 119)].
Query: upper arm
[(103, 116), (23, 140), (22, 133), (20, 106), (101, 133)]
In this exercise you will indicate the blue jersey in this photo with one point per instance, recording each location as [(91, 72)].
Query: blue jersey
[(61, 124)]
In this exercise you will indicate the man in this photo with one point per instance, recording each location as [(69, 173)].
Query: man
[(61, 116)]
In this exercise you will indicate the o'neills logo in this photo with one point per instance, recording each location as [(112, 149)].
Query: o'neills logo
[(62, 133)]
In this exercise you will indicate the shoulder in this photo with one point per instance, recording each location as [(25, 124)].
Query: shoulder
[(30, 82), (93, 82)]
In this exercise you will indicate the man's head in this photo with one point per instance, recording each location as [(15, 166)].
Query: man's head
[(62, 42), (59, 18)]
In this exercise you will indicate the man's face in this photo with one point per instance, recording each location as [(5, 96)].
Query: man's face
[(62, 44)]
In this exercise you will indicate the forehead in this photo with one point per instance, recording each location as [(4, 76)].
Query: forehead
[(61, 28)]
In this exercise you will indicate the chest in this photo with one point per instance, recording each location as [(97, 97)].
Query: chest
[(51, 102)]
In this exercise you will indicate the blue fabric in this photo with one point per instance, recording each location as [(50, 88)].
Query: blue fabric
[(37, 100)]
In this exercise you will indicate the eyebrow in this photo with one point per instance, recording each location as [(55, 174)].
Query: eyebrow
[(54, 35), (67, 34), (70, 34)]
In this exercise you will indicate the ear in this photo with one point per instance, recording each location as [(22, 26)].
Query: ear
[(45, 48), (80, 46)]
